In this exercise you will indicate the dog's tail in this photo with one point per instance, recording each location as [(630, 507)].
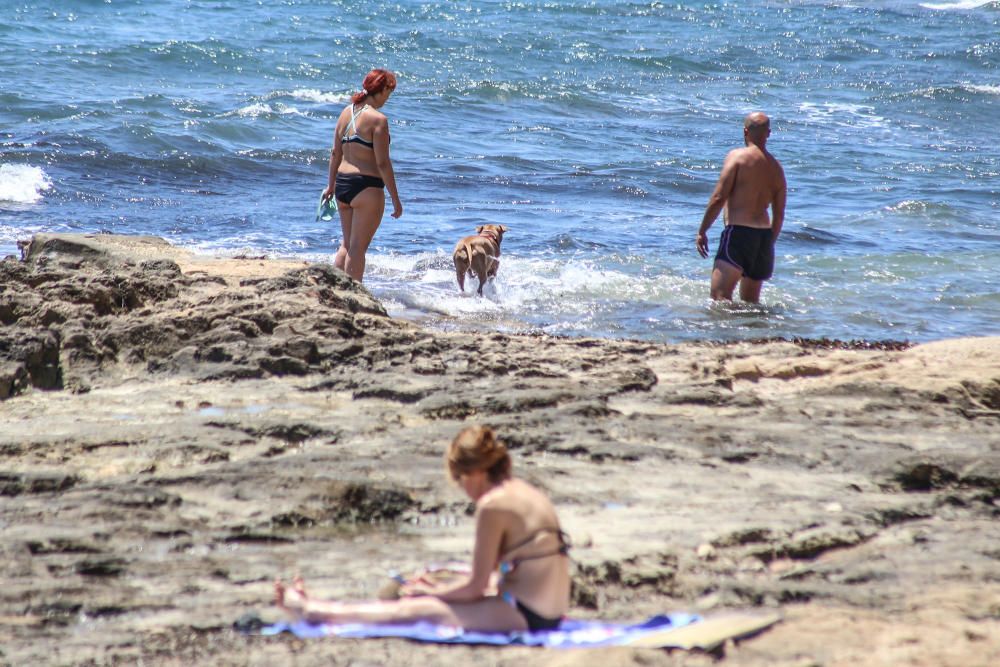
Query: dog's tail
[(461, 273), (468, 253)]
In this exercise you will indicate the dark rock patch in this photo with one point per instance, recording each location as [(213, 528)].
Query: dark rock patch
[(135, 496), (357, 502), (808, 544), (56, 545), (103, 567), (29, 358), (395, 394), (746, 536), (253, 537), (892, 516), (15, 484), (924, 476)]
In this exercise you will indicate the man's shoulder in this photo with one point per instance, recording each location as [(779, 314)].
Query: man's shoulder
[(755, 155), (747, 154), (776, 166), (736, 157)]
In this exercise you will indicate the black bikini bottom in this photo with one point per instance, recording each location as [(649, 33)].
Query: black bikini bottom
[(348, 186), (536, 622)]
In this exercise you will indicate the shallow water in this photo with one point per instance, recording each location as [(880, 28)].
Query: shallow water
[(593, 130)]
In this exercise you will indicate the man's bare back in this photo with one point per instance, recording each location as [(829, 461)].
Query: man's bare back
[(751, 181), (756, 180)]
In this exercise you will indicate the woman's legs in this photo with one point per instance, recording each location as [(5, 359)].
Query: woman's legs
[(359, 221), (346, 220), (490, 614)]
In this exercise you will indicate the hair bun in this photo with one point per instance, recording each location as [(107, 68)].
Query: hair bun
[(374, 83), (493, 450), (477, 448)]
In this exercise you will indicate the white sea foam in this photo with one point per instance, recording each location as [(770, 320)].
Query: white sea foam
[(22, 184), (528, 292), (258, 109), (979, 88), (962, 4), (317, 96), (934, 91), (842, 114)]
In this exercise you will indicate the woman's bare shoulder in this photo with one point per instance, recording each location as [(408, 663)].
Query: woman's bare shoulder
[(528, 488), (345, 115), (519, 497), (377, 119)]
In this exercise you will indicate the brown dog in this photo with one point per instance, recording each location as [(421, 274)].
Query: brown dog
[(479, 255)]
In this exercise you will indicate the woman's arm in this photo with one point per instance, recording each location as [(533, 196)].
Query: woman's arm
[(490, 525), (336, 156), (380, 137)]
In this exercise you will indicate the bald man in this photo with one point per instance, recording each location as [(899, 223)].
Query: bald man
[(750, 182)]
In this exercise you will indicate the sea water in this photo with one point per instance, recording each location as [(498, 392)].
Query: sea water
[(593, 130)]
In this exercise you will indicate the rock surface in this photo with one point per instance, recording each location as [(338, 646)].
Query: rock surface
[(178, 430)]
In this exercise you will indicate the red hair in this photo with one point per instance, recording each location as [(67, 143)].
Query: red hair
[(376, 81)]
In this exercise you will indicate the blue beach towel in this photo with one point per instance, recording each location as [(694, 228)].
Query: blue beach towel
[(571, 634)]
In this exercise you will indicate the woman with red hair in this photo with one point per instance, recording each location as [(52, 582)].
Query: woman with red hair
[(360, 171)]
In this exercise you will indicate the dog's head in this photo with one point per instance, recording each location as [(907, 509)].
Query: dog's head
[(494, 232)]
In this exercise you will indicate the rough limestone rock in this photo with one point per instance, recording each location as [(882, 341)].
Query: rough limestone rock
[(179, 430)]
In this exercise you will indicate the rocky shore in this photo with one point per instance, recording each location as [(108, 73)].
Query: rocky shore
[(178, 430)]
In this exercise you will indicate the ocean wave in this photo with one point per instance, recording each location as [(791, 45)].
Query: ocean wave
[(263, 109), (315, 96), (985, 89), (842, 114), (924, 209), (955, 92), (185, 161), (538, 291), (962, 4), (209, 52), (813, 235), (22, 184), (580, 97)]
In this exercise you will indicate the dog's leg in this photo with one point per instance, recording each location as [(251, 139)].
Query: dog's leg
[(469, 261), (460, 275), (478, 266)]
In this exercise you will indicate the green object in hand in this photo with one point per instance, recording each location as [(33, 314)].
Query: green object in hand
[(327, 208)]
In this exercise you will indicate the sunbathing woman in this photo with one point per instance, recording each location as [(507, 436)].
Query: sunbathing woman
[(517, 536)]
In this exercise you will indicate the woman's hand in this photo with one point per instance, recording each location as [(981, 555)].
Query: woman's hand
[(416, 587), (415, 591), (397, 209), (327, 193)]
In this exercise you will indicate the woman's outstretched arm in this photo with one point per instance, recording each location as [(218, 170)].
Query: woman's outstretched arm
[(490, 528)]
